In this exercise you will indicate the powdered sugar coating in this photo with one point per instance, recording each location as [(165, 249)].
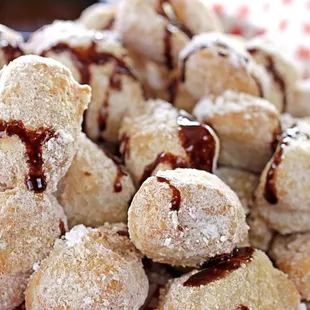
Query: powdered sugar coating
[(256, 285), (111, 102), (12, 287), (151, 131), (209, 210), (102, 270), (291, 255), (87, 191), (246, 125), (291, 211), (41, 93), (98, 16), (212, 64), (242, 182), (27, 241)]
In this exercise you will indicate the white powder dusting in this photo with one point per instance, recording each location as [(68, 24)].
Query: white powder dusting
[(76, 235)]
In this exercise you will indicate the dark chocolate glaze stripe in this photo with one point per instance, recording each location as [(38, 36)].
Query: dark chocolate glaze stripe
[(33, 141), (176, 195), (120, 172), (242, 307), (11, 51), (277, 78), (164, 158), (198, 143), (83, 58), (270, 191), (220, 266)]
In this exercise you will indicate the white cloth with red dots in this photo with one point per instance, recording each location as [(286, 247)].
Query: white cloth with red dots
[(286, 21)]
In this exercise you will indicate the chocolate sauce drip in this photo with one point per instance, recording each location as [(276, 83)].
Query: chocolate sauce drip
[(83, 58), (242, 307), (198, 142), (124, 147), (163, 158), (199, 145), (33, 141), (270, 192), (276, 76), (62, 228), (175, 23), (123, 233), (168, 46), (173, 89), (220, 266), (276, 137), (11, 51), (176, 195), (120, 172)]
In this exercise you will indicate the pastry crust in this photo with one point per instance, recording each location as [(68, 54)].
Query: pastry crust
[(160, 29), (41, 112), (256, 284), (210, 64), (247, 127), (291, 255), (282, 72), (243, 183), (152, 139), (185, 216), (285, 175), (89, 269), (96, 188), (100, 16), (97, 59)]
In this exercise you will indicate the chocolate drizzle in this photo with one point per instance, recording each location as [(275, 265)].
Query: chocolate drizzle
[(220, 266), (123, 233), (270, 191), (83, 58), (276, 76), (276, 137), (198, 142), (176, 195), (168, 46), (11, 51), (163, 158), (242, 307), (33, 141), (62, 228), (120, 172), (199, 145)]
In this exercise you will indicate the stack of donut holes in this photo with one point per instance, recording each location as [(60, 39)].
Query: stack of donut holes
[(150, 161)]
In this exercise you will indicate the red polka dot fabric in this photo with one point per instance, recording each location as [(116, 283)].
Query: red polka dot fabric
[(287, 21)]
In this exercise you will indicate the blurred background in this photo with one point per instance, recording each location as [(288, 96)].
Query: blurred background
[(28, 15)]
